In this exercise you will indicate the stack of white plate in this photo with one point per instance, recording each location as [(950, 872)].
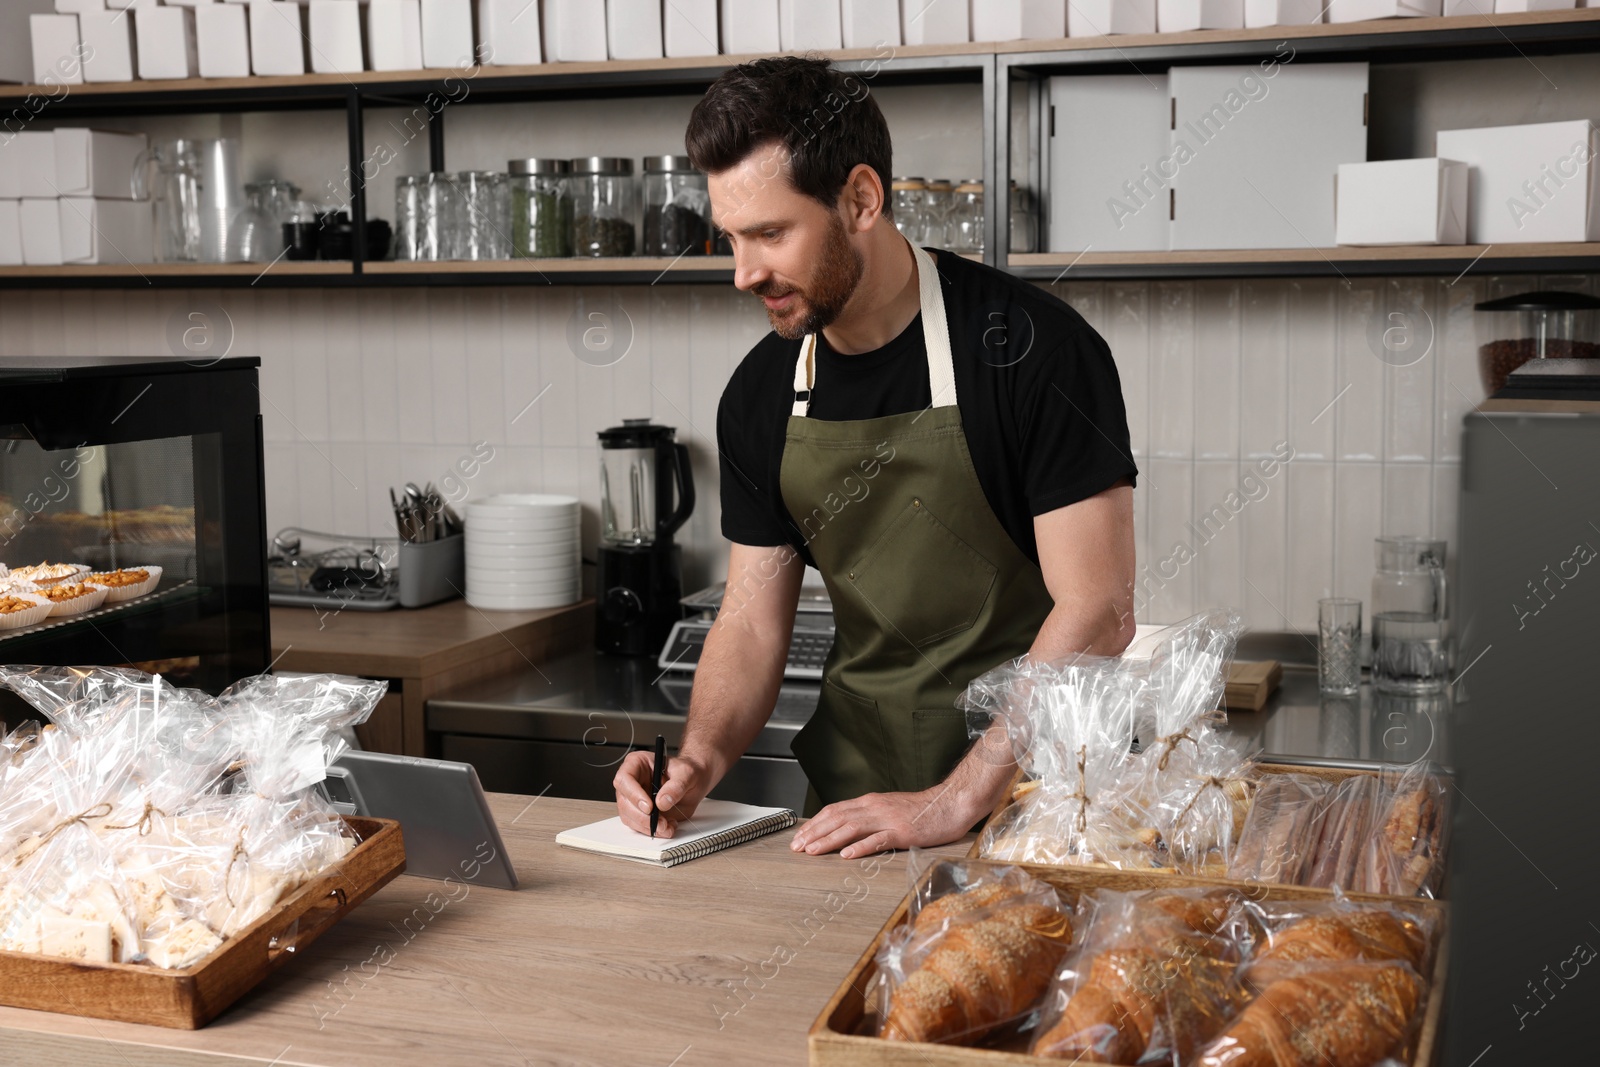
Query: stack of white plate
[(523, 552)]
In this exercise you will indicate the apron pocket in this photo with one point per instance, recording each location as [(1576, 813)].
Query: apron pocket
[(940, 739), (922, 580)]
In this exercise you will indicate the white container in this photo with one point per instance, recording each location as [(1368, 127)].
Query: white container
[(335, 36), (508, 33), (1179, 16), (33, 153), (96, 162), (277, 38), (222, 37), (1539, 182), (131, 5), (41, 232), (106, 231), (16, 48), (56, 49), (76, 7), (188, 3), (574, 31), (447, 33), (1113, 199), (869, 23), (1362, 10), (633, 29), (1282, 12), (809, 26), (166, 42), (1512, 6), (934, 22), (1468, 7), (1257, 155), (394, 34), (1100, 18), (107, 46), (10, 181), (1016, 20), (750, 27), (1402, 202), (689, 28), (10, 233)]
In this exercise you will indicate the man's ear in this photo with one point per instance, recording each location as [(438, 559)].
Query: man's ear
[(862, 199)]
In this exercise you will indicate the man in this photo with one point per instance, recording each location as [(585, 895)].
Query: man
[(952, 536)]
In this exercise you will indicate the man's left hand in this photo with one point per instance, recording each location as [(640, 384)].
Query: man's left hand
[(876, 822)]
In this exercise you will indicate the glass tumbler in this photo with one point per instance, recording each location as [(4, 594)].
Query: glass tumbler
[(407, 216), (1339, 645), (436, 200)]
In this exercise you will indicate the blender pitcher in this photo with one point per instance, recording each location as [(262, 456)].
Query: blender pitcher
[(640, 467), (1410, 617)]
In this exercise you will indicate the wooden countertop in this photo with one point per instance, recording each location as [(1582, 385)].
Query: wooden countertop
[(723, 960)]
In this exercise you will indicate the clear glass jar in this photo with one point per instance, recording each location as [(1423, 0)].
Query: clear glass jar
[(408, 217), (677, 208), (603, 207), (1024, 223), (255, 235), (480, 224), (541, 208), (436, 207), (966, 218), (908, 197), (937, 202)]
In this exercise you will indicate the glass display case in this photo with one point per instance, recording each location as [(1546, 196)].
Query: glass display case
[(143, 477)]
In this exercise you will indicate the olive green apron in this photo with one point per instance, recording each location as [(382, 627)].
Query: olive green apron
[(928, 589)]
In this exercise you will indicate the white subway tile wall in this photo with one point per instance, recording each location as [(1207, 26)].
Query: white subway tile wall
[(1364, 384)]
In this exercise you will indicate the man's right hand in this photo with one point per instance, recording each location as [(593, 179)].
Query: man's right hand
[(683, 786)]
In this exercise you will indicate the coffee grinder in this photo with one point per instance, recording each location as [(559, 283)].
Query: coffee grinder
[(640, 570)]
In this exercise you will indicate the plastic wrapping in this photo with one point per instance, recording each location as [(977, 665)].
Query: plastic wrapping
[(149, 823), (1346, 821), (1280, 835), (1405, 854), (981, 946)]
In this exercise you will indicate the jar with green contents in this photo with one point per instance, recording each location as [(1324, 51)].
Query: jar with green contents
[(604, 207), (541, 208)]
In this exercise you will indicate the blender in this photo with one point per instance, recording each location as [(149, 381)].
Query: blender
[(639, 581)]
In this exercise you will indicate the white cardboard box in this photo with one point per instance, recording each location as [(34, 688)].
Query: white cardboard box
[(10, 186), (107, 45), (40, 222), (1016, 20), (809, 25), (1256, 155), (1539, 182), (1100, 18), (750, 26), (394, 34), (508, 33), (1282, 12), (57, 49), (34, 154), (165, 39), (98, 163), (933, 22), (689, 28), (187, 3), (1362, 10), (1177, 16), (76, 7), (1509, 6), (869, 23), (222, 39), (1114, 198), (16, 49), (106, 231), (277, 38), (10, 233), (633, 29), (1401, 202), (447, 33), (1468, 7), (335, 36), (574, 31)]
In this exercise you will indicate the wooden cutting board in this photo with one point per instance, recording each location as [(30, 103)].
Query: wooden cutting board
[(1250, 684)]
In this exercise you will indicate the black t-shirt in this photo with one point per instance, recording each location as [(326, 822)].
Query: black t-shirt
[(1040, 404)]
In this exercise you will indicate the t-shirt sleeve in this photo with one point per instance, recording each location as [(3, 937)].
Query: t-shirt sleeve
[(1074, 427), (748, 517)]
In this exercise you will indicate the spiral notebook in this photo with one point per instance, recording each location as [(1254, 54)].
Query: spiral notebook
[(717, 824)]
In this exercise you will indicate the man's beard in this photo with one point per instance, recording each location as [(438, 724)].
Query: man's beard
[(833, 283)]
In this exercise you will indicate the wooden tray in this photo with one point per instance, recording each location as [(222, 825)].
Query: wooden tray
[(188, 999), (841, 1036)]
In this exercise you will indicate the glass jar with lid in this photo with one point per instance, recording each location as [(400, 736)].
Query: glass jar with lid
[(603, 206), (966, 217), (937, 201), (541, 208), (907, 198), (677, 208)]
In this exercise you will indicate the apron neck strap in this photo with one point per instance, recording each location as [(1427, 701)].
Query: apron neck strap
[(935, 336)]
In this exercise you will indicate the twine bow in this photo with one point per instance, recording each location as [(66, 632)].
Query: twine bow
[(1082, 795), (1170, 743), (145, 822), (82, 817), (227, 873)]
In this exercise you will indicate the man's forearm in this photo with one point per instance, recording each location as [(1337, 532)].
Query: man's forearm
[(735, 687)]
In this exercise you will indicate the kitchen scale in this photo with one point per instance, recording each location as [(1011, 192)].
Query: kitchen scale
[(808, 645)]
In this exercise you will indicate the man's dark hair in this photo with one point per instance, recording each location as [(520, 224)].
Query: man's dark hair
[(826, 119)]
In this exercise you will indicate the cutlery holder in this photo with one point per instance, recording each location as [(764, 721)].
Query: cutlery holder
[(431, 571)]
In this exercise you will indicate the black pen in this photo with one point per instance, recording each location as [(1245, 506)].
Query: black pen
[(655, 781)]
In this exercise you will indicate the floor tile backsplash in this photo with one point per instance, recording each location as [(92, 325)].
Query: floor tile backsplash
[(1279, 426)]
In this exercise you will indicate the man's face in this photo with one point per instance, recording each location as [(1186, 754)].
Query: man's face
[(792, 252)]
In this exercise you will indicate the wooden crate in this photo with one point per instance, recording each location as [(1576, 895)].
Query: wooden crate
[(188, 999), (841, 1036)]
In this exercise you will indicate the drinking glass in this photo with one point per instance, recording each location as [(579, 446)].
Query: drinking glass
[(1338, 644), (408, 216), (436, 204)]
